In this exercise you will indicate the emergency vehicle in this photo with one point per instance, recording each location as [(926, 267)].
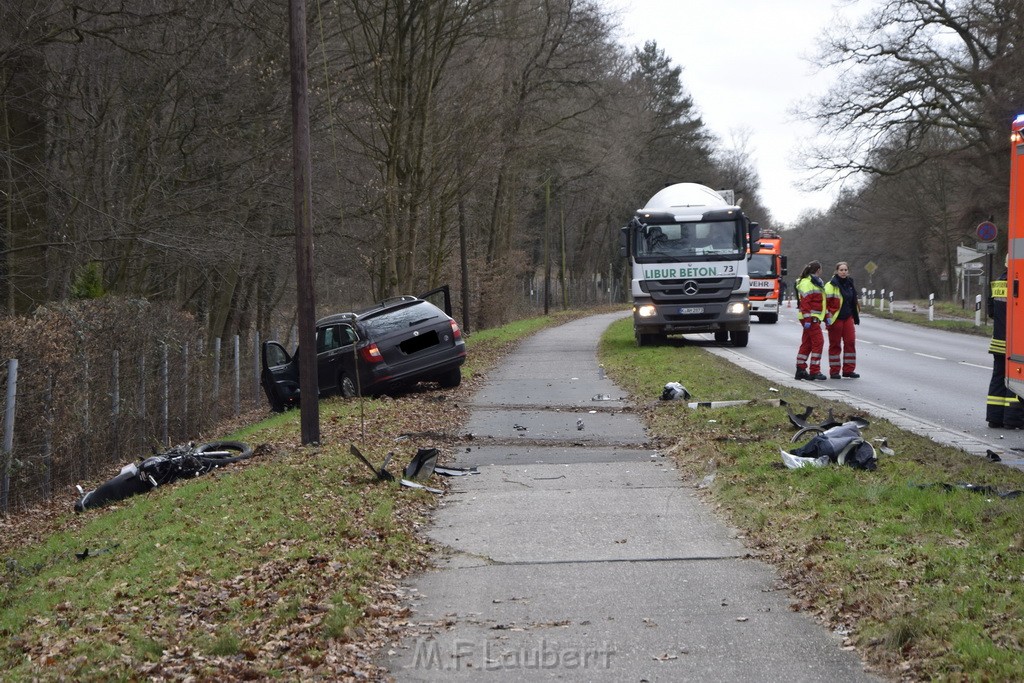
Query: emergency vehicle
[(766, 269), (1015, 263)]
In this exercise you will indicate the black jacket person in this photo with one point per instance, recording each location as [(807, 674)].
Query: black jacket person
[(1002, 409)]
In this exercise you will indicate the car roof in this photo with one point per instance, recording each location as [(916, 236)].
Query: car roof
[(376, 309)]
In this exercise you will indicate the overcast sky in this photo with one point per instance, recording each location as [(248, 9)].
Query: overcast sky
[(743, 64)]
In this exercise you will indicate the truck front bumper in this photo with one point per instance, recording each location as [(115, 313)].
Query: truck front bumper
[(692, 318)]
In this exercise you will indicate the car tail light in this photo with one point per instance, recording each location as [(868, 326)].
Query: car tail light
[(371, 354), (456, 330)]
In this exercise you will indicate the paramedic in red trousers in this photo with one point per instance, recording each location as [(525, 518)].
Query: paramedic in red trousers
[(810, 301), (843, 313), (1002, 410)]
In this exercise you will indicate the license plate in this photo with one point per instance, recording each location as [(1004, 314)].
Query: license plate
[(691, 310)]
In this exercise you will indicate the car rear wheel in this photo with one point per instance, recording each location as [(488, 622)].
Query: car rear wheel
[(450, 379), (346, 386)]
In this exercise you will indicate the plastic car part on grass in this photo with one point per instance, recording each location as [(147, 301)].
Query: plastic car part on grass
[(422, 465)]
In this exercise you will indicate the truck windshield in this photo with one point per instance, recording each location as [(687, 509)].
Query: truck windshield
[(685, 241), (762, 265)]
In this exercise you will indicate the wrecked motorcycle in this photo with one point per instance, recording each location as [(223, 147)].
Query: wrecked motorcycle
[(180, 462)]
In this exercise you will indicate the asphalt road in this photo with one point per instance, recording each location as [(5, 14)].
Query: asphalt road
[(578, 553), (928, 381)]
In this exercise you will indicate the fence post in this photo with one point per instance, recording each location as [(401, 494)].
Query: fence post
[(892, 295), (216, 378), (256, 369), (977, 310), (8, 449), (187, 390), (87, 410), (931, 306), (115, 388), (165, 391), (48, 437), (237, 389), (142, 390)]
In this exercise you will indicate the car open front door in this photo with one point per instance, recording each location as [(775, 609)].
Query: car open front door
[(280, 376), (440, 297)]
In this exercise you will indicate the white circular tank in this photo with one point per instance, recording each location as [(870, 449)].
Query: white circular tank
[(685, 195)]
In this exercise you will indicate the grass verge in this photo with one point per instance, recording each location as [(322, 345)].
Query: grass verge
[(927, 583), (285, 566)]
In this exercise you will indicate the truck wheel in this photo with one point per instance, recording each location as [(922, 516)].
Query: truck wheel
[(722, 336), (739, 339), (647, 339), (769, 318)]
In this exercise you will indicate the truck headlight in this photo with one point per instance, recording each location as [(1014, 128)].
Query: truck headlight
[(645, 311), (737, 307)]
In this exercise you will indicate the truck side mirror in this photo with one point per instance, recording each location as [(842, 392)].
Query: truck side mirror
[(785, 268), (754, 234), (623, 241)]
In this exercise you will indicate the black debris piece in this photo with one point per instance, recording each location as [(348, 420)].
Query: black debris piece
[(974, 488), (422, 464), (992, 456), (86, 554), (798, 421), (381, 474)]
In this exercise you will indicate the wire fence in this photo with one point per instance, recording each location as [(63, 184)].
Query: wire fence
[(89, 386)]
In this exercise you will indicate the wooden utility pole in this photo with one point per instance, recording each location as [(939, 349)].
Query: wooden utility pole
[(309, 389)]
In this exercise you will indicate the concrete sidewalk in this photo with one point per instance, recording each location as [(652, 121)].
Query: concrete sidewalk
[(578, 554)]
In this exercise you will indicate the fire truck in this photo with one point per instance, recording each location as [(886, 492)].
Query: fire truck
[(1015, 263), (766, 269)]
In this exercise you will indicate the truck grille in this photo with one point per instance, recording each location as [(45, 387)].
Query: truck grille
[(708, 289)]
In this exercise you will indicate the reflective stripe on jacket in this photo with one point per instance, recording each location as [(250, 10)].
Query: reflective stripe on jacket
[(810, 293), (833, 301), (997, 309)]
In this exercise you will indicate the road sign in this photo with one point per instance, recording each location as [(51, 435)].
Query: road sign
[(987, 247), (965, 254), (987, 231), (972, 267), (871, 267)]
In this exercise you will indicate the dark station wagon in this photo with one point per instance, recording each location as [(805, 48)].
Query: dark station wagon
[(386, 348)]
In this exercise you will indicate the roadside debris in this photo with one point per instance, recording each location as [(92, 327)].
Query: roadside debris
[(974, 488), (422, 465), (883, 445), (184, 461), (842, 445), (86, 554), (729, 404), (674, 391)]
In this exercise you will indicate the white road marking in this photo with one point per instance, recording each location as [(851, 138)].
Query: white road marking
[(927, 355), (894, 348), (975, 365)]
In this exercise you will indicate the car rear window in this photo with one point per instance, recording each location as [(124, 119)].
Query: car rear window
[(420, 313)]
